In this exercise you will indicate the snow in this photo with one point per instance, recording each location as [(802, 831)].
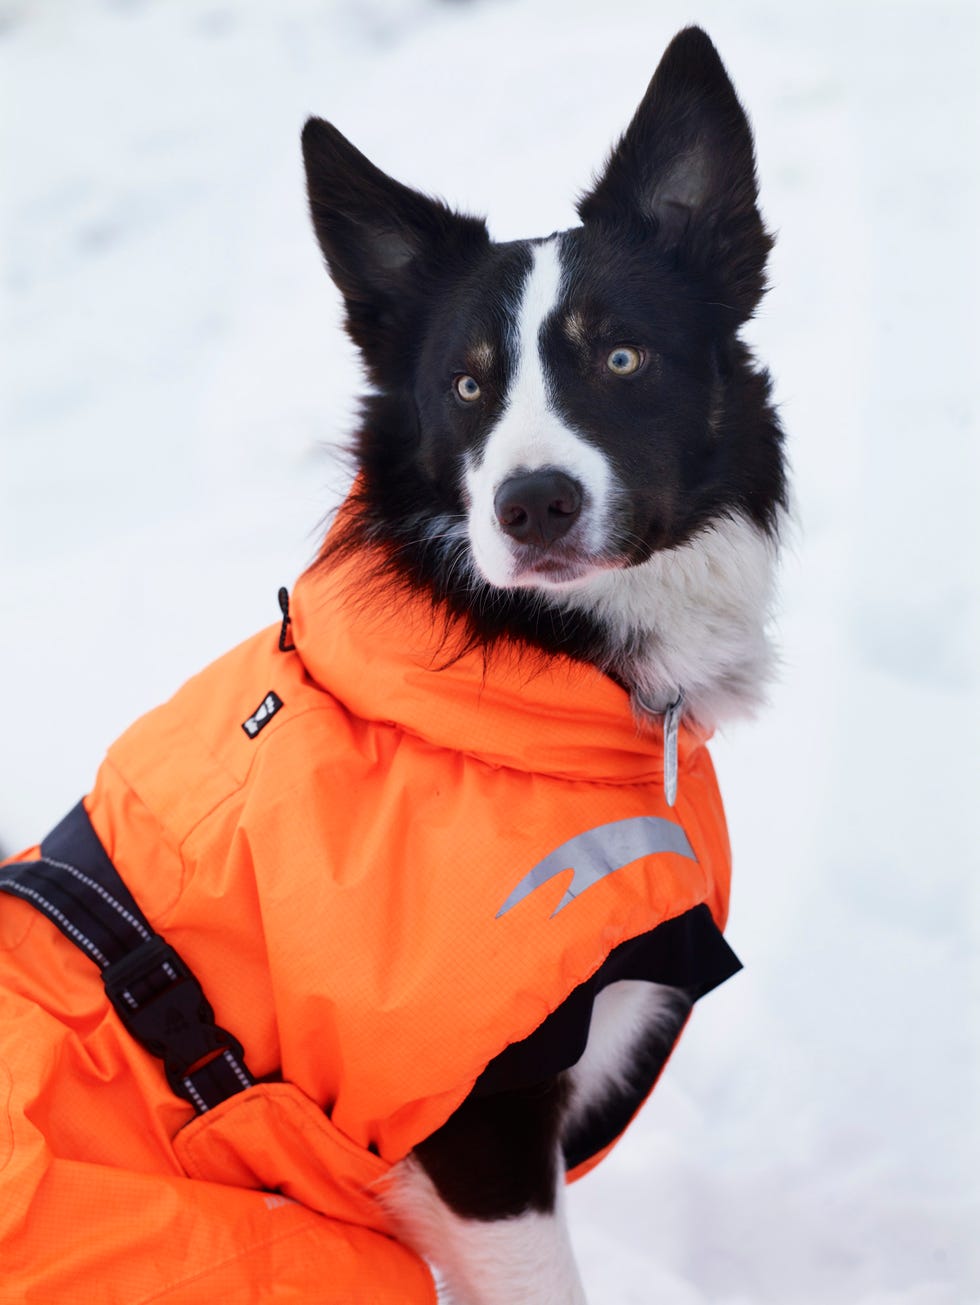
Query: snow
[(174, 377)]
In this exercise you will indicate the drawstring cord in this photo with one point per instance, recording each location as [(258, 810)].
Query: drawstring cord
[(286, 620)]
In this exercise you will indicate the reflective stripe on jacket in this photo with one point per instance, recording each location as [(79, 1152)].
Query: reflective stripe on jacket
[(384, 870)]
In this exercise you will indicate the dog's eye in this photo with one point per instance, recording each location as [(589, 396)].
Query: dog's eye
[(467, 388), (624, 361)]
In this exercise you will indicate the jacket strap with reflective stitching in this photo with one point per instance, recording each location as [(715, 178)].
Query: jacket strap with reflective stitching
[(157, 997)]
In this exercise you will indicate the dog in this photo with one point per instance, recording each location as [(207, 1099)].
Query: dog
[(568, 459)]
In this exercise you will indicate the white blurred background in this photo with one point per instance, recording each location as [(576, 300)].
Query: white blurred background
[(173, 376)]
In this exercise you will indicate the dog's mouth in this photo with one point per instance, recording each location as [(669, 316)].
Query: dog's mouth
[(556, 567), (565, 563)]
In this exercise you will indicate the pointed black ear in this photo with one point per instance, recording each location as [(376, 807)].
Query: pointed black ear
[(685, 169), (385, 244)]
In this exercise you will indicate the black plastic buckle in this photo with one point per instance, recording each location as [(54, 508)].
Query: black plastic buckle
[(164, 1008)]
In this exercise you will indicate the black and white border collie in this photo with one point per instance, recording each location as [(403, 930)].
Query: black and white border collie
[(568, 445)]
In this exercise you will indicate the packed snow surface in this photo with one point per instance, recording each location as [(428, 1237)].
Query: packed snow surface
[(174, 378)]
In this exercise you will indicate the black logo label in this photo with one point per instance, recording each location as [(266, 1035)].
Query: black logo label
[(263, 713)]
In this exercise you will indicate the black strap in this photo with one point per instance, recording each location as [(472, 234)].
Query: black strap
[(158, 999)]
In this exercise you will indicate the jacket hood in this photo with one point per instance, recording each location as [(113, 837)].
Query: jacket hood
[(383, 651)]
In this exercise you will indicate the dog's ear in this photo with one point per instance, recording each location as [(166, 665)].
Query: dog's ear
[(685, 171), (385, 244)]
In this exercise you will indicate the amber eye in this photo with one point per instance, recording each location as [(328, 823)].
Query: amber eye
[(624, 360), (467, 388)]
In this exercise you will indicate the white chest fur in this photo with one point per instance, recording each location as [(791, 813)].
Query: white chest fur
[(692, 618), (625, 1015)]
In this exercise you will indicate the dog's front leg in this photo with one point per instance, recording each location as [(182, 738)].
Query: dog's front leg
[(482, 1200)]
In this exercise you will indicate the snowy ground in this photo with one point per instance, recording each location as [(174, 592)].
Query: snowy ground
[(172, 370)]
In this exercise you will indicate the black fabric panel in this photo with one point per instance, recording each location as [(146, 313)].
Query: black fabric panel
[(688, 952)]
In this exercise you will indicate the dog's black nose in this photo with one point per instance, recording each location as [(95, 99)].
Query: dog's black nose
[(538, 507)]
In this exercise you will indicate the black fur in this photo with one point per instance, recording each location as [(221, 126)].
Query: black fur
[(498, 1155), (670, 257)]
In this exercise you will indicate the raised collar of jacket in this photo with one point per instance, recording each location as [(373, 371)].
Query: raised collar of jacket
[(384, 654)]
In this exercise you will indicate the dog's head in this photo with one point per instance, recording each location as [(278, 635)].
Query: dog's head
[(552, 409)]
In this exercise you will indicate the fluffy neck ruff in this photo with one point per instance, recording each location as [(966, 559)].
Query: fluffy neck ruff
[(691, 620)]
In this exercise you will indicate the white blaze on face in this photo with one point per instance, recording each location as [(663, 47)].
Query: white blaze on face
[(530, 436)]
